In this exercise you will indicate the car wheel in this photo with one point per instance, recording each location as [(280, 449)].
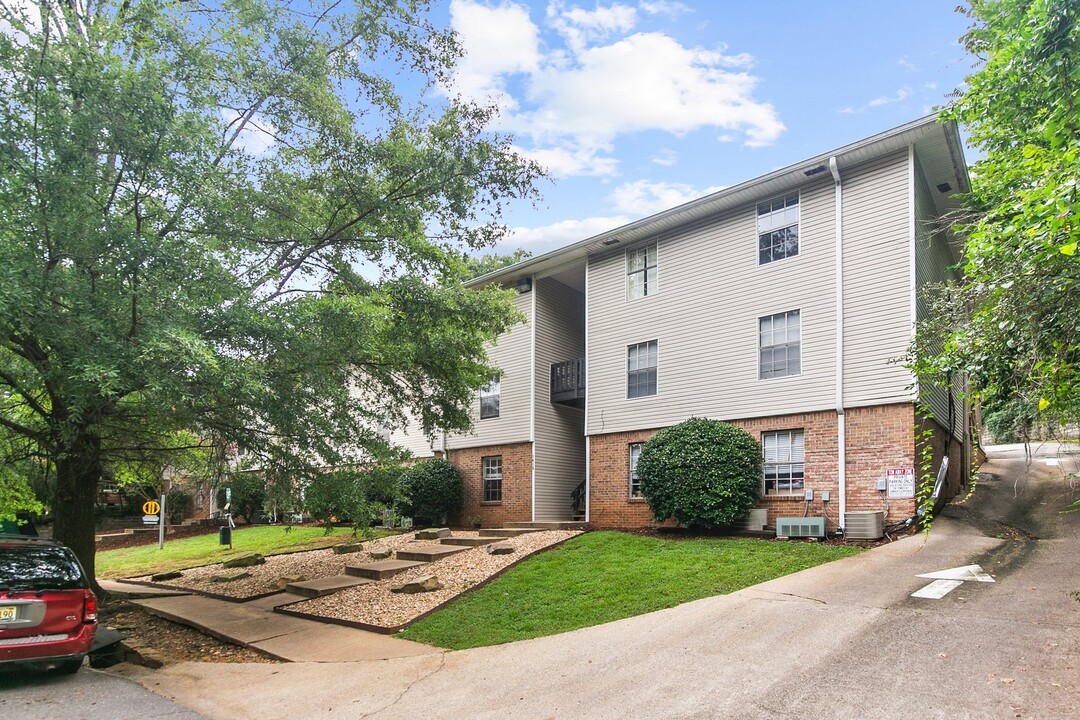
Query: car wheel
[(69, 667)]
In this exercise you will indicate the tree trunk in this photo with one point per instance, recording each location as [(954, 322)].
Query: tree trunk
[(78, 471)]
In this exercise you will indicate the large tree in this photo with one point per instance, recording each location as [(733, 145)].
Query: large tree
[(1012, 325), (242, 219)]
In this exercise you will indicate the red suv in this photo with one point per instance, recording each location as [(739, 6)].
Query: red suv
[(48, 614)]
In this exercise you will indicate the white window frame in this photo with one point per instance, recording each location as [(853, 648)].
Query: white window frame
[(655, 367), (786, 342), (785, 452), (491, 391), (778, 214), (635, 481), (644, 280), (491, 470)]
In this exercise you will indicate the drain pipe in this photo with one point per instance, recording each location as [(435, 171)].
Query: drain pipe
[(841, 429)]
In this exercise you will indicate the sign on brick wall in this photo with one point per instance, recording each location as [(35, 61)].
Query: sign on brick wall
[(901, 482)]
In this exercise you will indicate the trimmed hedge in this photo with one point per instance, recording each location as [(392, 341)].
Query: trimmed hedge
[(434, 491), (704, 473)]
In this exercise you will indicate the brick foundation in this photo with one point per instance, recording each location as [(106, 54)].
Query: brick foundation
[(878, 438), (516, 504)]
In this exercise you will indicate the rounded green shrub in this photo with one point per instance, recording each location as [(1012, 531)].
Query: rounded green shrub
[(704, 473), (434, 491)]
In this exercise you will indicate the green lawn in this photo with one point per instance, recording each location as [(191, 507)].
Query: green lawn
[(204, 549), (599, 577)]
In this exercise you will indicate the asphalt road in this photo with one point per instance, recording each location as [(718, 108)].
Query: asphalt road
[(87, 695)]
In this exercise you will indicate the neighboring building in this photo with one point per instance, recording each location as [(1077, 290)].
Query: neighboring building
[(783, 305)]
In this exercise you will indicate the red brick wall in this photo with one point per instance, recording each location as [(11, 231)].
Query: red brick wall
[(516, 504), (878, 438)]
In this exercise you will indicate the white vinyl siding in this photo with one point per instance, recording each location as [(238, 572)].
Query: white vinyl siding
[(877, 299), (512, 355), (560, 431), (706, 322)]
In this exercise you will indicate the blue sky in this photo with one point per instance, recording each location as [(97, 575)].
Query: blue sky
[(635, 107)]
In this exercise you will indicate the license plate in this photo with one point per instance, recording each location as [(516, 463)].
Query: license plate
[(7, 613)]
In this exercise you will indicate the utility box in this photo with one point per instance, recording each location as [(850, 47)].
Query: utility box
[(864, 525)]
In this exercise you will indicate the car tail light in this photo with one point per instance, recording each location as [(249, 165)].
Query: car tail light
[(89, 607)]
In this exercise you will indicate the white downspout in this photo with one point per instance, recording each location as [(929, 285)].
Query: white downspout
[(841, 429), (588, 394), (532, 394)]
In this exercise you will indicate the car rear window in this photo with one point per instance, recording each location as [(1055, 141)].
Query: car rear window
[(39, 567)]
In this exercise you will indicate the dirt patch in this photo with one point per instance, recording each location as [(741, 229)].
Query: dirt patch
[(171, 642)]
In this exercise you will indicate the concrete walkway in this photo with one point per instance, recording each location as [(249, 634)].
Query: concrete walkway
[(839, 641), (254, 624)]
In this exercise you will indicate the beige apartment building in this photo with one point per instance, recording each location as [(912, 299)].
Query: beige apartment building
[(784, 305)]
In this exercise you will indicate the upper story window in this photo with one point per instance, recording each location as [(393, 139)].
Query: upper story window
[(641, 369), (489, 399), (635, 483), (779, 344), (641, 272), (784, 458), (778, 228)]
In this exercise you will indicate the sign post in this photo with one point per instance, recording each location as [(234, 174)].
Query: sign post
[(154, 512), (161, 525)]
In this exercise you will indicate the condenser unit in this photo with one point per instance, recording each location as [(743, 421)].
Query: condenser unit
[(797, 527), (864, 525), (755, 521)]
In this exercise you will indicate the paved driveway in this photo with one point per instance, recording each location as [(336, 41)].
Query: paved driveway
[(844, 640)]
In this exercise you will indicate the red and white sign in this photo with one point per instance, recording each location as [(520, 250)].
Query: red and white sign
[(901, 482)]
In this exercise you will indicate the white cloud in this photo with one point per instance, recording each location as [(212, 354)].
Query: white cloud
[(899, 96), (641, 197), (562, 233), (902, 94), (665, 157), (257, 137), (498, 41), (907, 64), (580, 27), (571, 103), (663, 7)]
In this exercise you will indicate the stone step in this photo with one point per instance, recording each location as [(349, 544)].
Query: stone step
[(429, 553), (324, 586), (559, 525), (469, 541), (381, 569), (506, 532)]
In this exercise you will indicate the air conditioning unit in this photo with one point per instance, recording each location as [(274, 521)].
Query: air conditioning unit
[(796, 527), (755, 521), (864, 525)]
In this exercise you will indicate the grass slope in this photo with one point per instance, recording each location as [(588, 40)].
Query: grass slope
[(205, 550), (599, 577)]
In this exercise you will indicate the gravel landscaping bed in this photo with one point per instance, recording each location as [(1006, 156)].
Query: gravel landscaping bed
[(374, 604), (456, 573)]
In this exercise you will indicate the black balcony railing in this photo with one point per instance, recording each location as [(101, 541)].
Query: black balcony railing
[(568, 382)]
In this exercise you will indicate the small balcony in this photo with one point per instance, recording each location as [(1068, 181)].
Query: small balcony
[(568, 382)]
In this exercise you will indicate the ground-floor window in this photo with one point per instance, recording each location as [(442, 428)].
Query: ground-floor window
[(493, 478), (635, 484), (784, 461)]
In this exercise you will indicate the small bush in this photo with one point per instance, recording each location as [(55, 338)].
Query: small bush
[(704, 473), (433, 491)]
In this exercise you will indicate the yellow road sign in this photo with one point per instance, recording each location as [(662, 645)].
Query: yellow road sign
[(151, 507)]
